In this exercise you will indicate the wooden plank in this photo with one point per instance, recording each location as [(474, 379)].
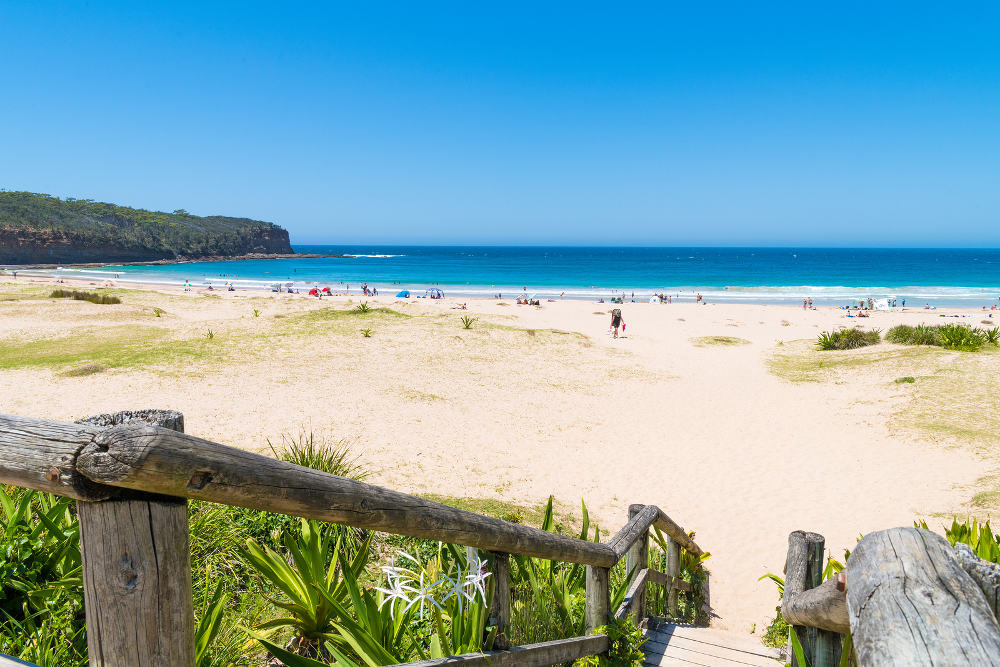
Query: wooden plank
[(637, 587), (910, 602), (41, 454), (678, 534), (598, 607), (500, 603), (705, 653), (137, 573), (737, 641), (637, 558), (657, 577), (161, 461), (530, 655), (641, 517)]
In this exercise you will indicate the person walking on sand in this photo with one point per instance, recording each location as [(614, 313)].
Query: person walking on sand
[(616, 320)]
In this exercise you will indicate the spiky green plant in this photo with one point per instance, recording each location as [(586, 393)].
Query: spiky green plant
[(468, 321), (362, 308), (961, 337), (366, 333), (210, 334), (256, 312), (315, 452), (158, 312), (848, 339)]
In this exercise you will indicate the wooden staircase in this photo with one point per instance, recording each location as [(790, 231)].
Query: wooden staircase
[(677, 644)]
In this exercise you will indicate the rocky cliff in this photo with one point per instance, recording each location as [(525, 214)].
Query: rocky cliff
[(39, 229)]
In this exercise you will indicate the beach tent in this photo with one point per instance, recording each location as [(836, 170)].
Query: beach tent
[(405, 294), (433, 293), (654, 299), (881, 304)]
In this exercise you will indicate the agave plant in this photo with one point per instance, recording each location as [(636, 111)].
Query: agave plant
[(362, 308), (312, 586), (468, 321)]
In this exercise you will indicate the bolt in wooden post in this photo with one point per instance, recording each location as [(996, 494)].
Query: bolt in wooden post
[(598, 600), (137, 571), (500, 605), (673, 570), (637, 559)]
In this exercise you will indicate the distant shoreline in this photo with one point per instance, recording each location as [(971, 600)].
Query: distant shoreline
[(179, 260)]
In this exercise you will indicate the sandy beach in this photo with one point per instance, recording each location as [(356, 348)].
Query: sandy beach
[(726, 416)]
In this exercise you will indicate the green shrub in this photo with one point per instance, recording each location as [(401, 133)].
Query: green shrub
[(950, 336), (467, 321), (848, 339), (921, 334), (908, 379), (92, 297), (961, 337)]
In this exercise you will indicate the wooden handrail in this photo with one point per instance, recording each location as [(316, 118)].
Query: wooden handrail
[(101, 461)]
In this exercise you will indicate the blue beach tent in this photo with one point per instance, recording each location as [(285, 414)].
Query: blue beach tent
[(404, 294)]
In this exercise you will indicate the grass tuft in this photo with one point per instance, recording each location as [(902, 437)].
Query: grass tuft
[(317, 453), (77, 295), (906, 379), (704, 341), (848, 339), (86, 369)]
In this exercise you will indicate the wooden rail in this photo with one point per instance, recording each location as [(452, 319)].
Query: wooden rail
[(905, 596), (133, 472)]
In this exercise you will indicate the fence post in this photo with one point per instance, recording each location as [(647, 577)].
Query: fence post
[(500, 605), (637, 559), (804, 571), (137, 571), (673, 570), (598, 600)]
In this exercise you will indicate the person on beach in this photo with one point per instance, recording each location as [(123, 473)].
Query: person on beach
[(616, 320), (803, 304)]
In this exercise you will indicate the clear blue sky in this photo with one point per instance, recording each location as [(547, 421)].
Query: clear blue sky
[(666, 124)]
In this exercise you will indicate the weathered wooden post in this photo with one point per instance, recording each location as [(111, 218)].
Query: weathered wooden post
[(137, 570), (804, 571), (910, 602), (637, 559), (598, 600), (673, 571), (500, 605)]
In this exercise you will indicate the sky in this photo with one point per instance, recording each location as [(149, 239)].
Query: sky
[(843, 124)]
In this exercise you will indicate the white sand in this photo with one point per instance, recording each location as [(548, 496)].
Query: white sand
[(709, 434)]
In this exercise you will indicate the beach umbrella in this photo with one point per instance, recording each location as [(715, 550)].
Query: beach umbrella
[(533, 296)]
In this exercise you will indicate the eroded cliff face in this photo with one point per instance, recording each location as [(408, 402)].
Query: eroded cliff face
[(48, 246)]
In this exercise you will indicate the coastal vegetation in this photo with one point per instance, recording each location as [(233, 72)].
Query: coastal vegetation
[(704, 341), (848, 339), (92, 297), (310, 593), (39, 228), (949, 336)]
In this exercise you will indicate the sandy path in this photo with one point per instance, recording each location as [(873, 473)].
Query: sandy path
[(707, 433)]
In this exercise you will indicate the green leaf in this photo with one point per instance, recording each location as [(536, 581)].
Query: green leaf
[(800, 655), (290, 659)]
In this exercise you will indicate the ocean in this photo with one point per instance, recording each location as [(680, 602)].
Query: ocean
[(830, 276)]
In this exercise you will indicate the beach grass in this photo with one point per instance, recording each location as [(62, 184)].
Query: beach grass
[(706, 341), (129, 346)]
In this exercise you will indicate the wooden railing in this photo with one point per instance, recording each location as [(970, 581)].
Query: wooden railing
[(132, 473), (904, 596)]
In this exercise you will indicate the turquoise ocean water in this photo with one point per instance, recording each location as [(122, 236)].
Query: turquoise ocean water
[(831, 276)]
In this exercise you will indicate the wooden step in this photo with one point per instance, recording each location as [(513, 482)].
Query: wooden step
[(676, 644)]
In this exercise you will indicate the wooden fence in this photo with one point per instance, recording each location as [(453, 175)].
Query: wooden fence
[(904, 596), (131, 474)]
